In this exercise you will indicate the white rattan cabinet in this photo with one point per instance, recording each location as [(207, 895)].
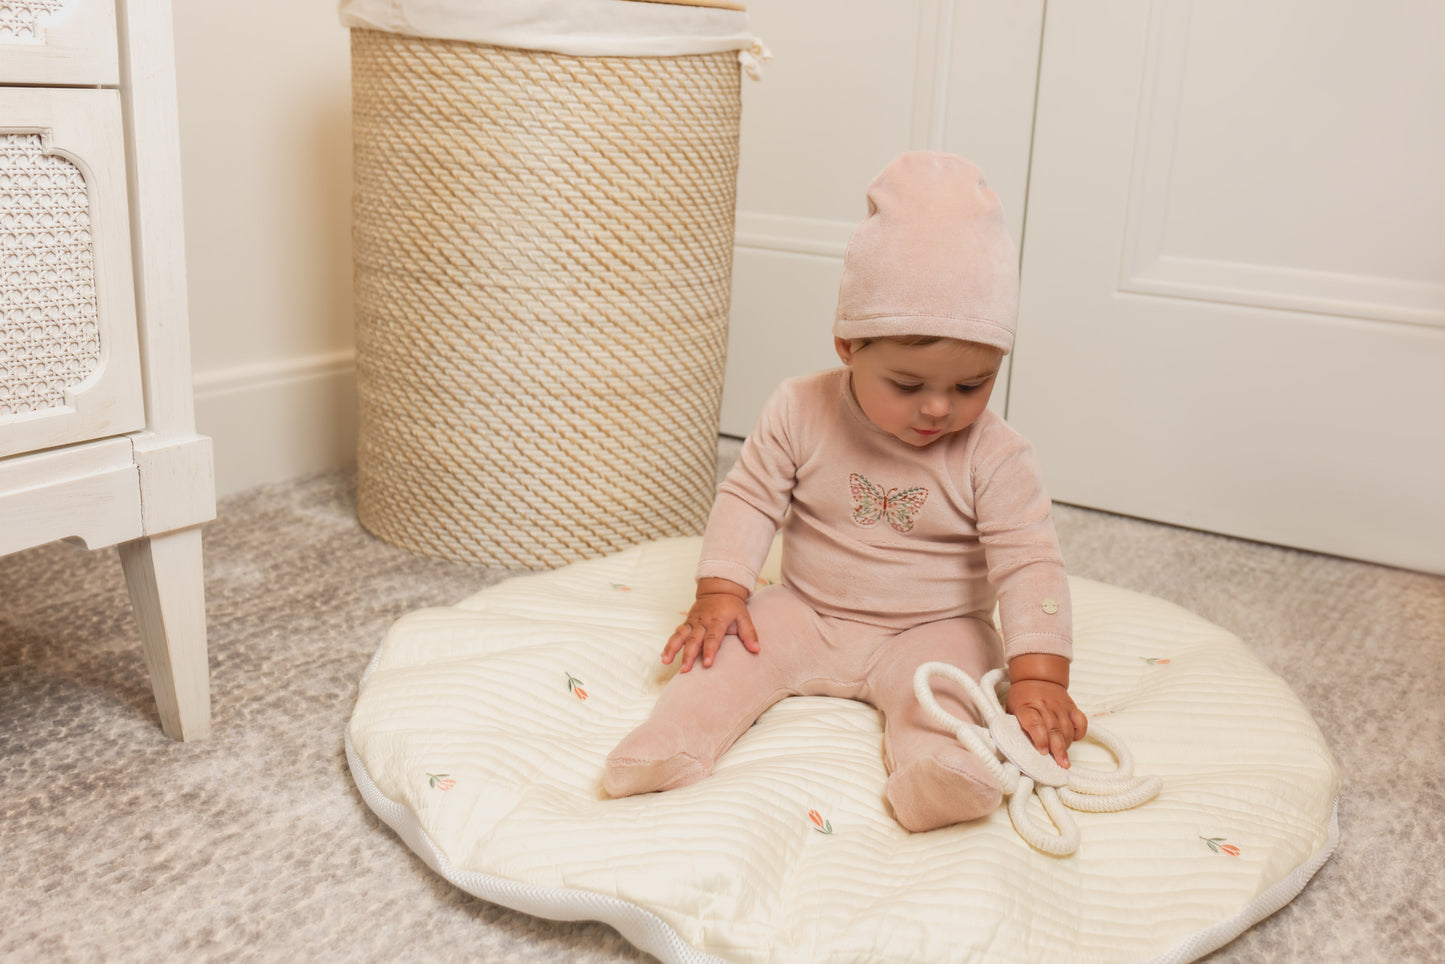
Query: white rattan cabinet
[(97, 431)]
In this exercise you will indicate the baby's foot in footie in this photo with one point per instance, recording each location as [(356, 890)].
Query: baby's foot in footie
[(652, 757), (939, 791)]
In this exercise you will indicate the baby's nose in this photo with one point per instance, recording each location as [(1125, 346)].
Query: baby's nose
[(936, 406)]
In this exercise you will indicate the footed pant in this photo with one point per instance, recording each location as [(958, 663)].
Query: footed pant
[(934, 781)]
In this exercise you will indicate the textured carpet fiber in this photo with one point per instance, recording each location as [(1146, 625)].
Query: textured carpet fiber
[(117, 844)]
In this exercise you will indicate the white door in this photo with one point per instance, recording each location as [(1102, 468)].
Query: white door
[(1233, 312)]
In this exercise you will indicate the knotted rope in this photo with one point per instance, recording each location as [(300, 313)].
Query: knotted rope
[(1022, 770)]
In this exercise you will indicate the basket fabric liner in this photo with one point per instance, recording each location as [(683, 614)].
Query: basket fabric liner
[(480, 732), (580, 28)]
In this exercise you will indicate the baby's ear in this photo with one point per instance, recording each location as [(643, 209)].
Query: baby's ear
[(844, 348)]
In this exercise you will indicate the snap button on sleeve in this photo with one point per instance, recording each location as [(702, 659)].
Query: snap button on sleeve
[(1050, 606)]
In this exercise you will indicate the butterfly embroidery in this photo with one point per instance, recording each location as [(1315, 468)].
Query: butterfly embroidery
[(871, 503)]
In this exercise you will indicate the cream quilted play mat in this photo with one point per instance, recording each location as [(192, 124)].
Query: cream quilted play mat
[(480, 732)]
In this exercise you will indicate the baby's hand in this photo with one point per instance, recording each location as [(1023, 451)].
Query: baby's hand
[(713, 617), (1048, 715)]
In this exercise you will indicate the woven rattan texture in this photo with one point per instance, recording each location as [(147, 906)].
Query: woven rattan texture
[(543, 259), (49, 332)]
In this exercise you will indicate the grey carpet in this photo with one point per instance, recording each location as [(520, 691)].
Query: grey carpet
[(117, 844)]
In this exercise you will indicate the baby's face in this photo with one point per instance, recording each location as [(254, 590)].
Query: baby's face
[(921, 393)]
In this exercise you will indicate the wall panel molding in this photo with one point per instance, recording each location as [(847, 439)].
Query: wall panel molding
[(790, 235), (1188, 237)]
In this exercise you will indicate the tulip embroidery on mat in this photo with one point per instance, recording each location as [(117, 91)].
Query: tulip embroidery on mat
[(574, 686), (440, 781), (1218, 845), (1154, 660), (819, 824)]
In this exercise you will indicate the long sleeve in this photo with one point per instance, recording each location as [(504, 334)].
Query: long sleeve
[(753, 499), (1021, 549), (980, 532)]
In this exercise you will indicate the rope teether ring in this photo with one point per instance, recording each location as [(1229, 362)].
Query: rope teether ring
[(1008, 753)]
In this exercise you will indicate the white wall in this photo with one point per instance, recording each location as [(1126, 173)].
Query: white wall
[(264, 92)]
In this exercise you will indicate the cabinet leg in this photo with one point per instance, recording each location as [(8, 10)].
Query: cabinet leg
[(167, 591)]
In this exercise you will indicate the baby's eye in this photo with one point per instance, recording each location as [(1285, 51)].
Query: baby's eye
[(906, 389), (965, 389)]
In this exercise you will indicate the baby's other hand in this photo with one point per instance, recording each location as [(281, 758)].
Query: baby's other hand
[(713, 617), (1048, 715)]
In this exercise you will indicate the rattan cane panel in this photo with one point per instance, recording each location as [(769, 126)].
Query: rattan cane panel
[(49, 333), (543, 252)]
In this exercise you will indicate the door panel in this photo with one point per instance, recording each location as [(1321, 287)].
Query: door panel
[(1233, 306)]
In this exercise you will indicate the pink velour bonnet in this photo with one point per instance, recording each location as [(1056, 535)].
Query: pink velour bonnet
[(933, 257)]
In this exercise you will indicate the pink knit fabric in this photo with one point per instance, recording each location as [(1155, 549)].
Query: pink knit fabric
[(893, 554), (976, 528), (933, 257)]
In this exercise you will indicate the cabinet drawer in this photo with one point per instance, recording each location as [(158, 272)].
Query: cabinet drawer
[(58, 42), (69, 363)]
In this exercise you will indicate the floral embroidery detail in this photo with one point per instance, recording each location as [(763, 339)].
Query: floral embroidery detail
[(1218, 845), (574, 686), (762, 584), (620, 587), (819, 824), (1154, 660), (440, 781), (871, 503)]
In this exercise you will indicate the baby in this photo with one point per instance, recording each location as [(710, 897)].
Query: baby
[(907, 508)]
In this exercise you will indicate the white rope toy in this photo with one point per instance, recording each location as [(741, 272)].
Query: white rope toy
[(1021, 769)]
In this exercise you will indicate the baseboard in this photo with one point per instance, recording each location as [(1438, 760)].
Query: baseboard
[(274, 421)]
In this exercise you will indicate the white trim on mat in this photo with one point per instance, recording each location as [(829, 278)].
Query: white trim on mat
[(642, 928), (1287, 889)]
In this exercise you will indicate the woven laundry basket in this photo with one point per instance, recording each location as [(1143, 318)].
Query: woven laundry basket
[(543, 258)]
